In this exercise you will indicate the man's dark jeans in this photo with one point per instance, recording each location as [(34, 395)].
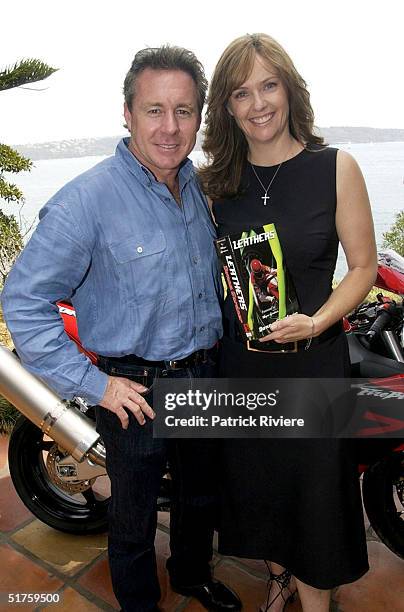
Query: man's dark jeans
[(135, 465)]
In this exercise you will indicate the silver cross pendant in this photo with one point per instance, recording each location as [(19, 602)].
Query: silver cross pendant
[(265, 198)]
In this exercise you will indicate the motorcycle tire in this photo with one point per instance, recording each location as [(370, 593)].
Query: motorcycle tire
[(80, 513), (383, 497)]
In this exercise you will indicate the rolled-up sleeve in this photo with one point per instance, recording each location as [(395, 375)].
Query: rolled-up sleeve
[(51, 267)]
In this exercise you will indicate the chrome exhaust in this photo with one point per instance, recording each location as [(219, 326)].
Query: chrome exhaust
[(67, 426)]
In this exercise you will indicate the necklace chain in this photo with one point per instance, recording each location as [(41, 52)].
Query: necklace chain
[(266, 196)]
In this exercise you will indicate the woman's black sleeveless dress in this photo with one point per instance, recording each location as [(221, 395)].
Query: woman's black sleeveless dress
[(293, 501)]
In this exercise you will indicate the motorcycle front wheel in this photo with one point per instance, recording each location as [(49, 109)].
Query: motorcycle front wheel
[(83, 512), (383, 497)]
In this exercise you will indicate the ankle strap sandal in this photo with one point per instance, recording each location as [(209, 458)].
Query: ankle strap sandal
[(283, 581)]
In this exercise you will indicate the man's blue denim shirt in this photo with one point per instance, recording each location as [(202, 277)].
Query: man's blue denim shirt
[(141, 272)]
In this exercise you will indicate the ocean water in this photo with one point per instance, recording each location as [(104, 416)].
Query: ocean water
[(382, 165)]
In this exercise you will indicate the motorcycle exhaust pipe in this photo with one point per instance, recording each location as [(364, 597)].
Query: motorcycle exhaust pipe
[(68, 427)]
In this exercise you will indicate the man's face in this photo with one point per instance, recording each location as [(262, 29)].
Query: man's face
[(163, 120)]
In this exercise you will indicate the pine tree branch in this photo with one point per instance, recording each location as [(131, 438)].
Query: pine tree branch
[(24, 72)]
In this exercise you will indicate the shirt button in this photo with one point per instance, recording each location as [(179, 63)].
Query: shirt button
[(202, 328), (195, 260), (200, 296), (139, 249)]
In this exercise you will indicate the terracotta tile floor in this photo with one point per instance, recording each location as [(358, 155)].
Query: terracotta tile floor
[(37, 559)]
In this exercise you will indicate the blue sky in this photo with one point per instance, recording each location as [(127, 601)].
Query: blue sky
[(349, 52)]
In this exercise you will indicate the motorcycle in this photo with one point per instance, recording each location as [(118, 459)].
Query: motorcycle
[(375, 333), (70, 491)]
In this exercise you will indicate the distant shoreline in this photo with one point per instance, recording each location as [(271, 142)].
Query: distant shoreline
[(87, 147)]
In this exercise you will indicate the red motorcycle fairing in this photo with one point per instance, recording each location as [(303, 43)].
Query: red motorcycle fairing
[(68, 315), (390, 272)]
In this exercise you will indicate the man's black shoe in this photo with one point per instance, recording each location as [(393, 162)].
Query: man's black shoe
[(213, 595)]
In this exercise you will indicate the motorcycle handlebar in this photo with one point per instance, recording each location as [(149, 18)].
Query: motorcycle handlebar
[(382, 319)]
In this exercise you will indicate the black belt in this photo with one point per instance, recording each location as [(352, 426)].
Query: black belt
[(232, 331), (199, 357)]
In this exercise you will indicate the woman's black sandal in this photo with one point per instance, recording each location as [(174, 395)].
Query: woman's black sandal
[(283, 581)]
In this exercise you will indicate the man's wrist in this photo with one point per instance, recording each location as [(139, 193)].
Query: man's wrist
[(95, 386)]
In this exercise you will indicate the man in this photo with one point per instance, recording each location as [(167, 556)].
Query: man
[(131, 243)]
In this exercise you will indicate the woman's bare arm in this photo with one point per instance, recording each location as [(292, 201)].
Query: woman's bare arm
[(355, 230)]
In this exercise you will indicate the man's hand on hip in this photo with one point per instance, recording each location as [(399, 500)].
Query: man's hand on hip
[(122, 393)]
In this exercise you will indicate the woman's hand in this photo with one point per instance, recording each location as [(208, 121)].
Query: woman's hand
[(292, 328)]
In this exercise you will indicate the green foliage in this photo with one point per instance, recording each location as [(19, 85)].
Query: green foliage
[(11, 243), (10, 192), (394, 239), (11, 238), (12, 161), (24, 72), (21, 73), (8, 416)]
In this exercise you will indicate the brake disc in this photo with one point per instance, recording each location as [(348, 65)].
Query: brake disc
[(68, 486), (400, 490)]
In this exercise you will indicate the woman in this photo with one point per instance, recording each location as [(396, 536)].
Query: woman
[(295, 503)]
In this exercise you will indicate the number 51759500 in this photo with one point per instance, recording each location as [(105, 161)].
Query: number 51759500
[(20, 598)]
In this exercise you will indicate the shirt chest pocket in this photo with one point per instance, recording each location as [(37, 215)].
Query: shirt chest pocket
[(143, 266)]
